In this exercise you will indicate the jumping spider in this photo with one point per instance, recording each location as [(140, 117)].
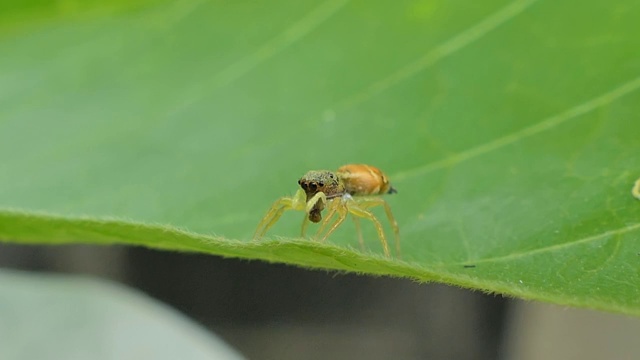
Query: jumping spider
[(350, 189)]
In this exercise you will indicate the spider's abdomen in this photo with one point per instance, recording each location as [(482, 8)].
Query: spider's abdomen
[(361, 179)]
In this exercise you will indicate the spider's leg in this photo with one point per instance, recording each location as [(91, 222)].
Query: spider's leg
[(333, 203), (356, 221), (371, 202), (305, 222), (356, 210), (279, 206), (272, 216), (336, 206)]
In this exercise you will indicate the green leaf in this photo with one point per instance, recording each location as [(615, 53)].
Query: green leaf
[(509, 128), (71, 317)]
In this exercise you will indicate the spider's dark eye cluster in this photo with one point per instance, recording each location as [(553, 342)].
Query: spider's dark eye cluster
[(310, 185)]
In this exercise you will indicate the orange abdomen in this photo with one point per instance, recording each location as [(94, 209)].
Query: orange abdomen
[(361, 179)]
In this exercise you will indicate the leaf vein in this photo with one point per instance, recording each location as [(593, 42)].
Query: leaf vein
[(544, 125), (440, 52), (269, 49), (555, 247)]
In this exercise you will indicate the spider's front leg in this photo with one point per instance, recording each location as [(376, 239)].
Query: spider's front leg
[(297, 202), (336, 205)]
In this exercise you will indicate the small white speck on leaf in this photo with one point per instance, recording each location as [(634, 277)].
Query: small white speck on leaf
[(635, 191)]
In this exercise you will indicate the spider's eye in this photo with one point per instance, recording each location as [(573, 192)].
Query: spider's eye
[(299, 182), (331, 176), (312, 186), (321, 184)]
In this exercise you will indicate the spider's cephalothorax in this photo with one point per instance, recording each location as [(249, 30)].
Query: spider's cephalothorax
[(324, 181), (351, 189)]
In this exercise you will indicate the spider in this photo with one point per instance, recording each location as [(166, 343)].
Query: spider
[(351, 189)]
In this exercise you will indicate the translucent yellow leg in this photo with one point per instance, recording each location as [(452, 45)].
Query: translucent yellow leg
[(336, 206), (360, 212), (359, 231), (367, 203), (297, 202), (305, 222)]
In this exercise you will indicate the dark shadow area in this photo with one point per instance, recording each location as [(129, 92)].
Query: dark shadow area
[(271, 311)]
